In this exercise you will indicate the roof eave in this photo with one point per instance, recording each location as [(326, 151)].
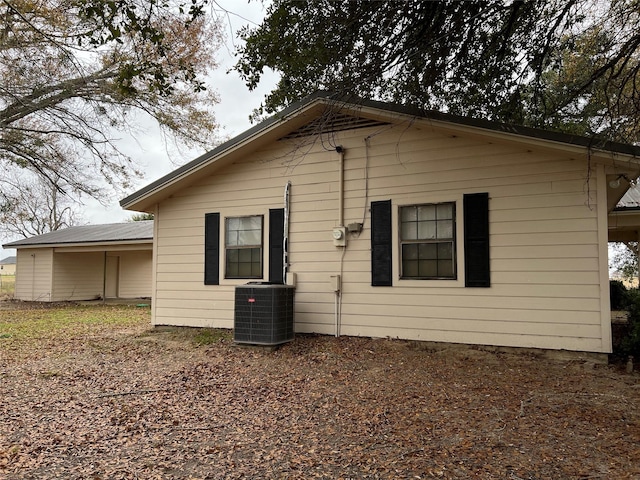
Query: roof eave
[(96, 243), (144, 198), (274, 127)]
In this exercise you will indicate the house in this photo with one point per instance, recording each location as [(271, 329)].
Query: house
[(395, 222), (8, 266), (624, 220), (86, 262)]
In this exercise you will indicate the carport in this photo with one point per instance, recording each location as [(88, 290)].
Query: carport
[(85, 263)]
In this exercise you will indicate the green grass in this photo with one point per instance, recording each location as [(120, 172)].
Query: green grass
[(42, 322), (7, 285), (208, 336)]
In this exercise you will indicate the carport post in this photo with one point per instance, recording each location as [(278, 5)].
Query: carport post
[(104, 278)]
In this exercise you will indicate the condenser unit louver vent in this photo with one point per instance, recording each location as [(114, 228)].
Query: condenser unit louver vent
[(264, 314)]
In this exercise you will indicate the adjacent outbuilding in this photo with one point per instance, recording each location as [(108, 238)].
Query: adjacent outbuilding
[(86, 262), (394, 222), (8, 266)]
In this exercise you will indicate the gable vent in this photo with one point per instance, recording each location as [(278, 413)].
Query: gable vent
[(333, 123)]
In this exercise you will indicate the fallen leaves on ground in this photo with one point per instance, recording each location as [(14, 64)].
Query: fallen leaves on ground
[(102, 395)]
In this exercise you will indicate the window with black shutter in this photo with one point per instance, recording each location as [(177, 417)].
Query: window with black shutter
[(428, 244)]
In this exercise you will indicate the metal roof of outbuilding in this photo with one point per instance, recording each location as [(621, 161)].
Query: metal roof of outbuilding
[(111, 233), (630, 200)]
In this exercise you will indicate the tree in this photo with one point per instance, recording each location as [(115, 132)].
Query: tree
[(141, 217), (72, 71), (625, 260), (534, 63), (35, 207)]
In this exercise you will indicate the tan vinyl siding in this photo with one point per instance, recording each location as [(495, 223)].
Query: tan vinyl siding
[(34, 274), (135, 274), (545, 264), (78, 276), (8, 269)]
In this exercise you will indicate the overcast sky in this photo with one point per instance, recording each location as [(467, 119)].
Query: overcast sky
[(232, 113)]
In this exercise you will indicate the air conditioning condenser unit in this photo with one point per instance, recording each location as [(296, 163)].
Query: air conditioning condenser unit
[(264, 314)]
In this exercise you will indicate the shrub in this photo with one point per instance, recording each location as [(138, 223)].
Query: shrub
[(618, 294), (630, 344)]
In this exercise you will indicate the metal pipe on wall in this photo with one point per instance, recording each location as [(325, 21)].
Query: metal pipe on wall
[(340, 151), (285, 240)]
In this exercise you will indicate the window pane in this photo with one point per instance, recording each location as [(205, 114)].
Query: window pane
[(428, 251), (232, 238), (426, 212), (426, 230), (445, 268), (428, 268), (408, 214), (444, 211), (244, 255), (232, 255), (249, 237), (445, 229), (233, 223), (252, 223), (244, 269), (445, 250), (409, 268), (256, 271), (232, 268), (410, 252), (409, 231)]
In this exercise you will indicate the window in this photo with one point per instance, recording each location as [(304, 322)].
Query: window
[(427, 241), (243, 247)]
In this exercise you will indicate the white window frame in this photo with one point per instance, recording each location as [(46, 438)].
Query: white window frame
[(239, 246), (453, 241)]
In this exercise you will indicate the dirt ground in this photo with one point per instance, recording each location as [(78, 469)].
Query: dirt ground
[(123, 401)]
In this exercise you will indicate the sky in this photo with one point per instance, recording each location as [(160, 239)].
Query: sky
[(147, 149)]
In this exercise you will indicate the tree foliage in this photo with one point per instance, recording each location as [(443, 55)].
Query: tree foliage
[(74, 71), (624, 260), (141, 217), (35, 206), (545, 64)]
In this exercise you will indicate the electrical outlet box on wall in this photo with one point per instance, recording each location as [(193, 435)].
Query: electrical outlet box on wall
[(335, 282)]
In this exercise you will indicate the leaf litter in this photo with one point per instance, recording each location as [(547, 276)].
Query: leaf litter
[(96, 393)]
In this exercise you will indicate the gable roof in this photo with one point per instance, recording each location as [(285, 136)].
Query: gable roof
[(302, 118), (130, 232), (8, 261)]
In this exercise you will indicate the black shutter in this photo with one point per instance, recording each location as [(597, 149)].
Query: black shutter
[(381, 244), (476, 240), (276, 245), (212, 249)]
